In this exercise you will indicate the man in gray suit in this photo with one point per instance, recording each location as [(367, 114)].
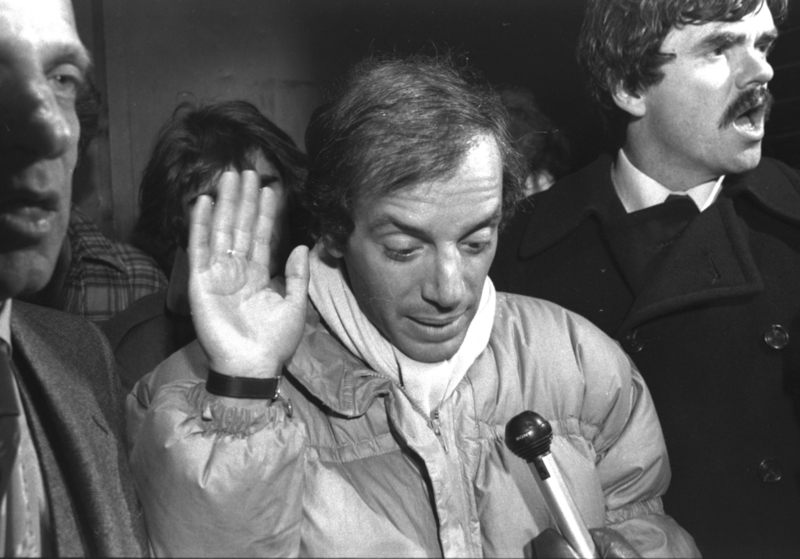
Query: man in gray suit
[(65, 487)]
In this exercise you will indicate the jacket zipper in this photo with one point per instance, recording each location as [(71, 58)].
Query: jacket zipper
[(437, 428), (436, 422)]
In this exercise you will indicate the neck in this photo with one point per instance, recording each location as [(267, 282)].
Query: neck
[(659, 164)]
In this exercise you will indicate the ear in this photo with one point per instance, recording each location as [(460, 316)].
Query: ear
[(632, 102), (332, 247)]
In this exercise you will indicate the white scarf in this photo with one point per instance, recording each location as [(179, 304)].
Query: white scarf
[(426, 384)]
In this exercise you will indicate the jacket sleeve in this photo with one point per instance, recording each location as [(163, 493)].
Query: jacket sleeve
[(631, 456), (216, 476)]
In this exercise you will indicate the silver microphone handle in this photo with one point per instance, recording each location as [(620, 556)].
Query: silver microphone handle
[(562, 505)]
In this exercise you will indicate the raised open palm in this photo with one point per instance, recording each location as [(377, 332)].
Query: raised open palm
[(245, 323)]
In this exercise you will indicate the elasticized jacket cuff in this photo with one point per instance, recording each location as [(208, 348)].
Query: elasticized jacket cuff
[(240, 418)]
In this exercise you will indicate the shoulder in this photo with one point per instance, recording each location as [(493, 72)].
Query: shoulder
[(545, 218), (772, 186), (53, 327), (139, 263), (68, 353), (544, 323), (559, 352), (773, 167), (139, 313)]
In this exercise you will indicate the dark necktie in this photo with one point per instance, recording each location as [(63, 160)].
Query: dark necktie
[(681, 199), (9, 419)]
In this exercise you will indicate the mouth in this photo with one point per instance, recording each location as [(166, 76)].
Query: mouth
[(752, 120), (437, 329), (28, 216), (749, 112)]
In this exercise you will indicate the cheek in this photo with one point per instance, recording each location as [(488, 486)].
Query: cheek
[(381, 288)]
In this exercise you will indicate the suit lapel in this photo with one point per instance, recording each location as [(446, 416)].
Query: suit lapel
[(711, 260), (73, 436)]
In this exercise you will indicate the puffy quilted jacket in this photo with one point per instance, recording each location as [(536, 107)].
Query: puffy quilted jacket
[(357, 470)]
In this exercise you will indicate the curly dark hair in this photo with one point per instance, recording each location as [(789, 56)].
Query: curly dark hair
[(620, 42), (396, 123), (195, 146)]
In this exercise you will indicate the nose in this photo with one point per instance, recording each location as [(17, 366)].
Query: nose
[(445, 288), (756, 70), (35, 120)]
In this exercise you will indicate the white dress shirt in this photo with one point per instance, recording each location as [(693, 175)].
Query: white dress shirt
[(637, 191)]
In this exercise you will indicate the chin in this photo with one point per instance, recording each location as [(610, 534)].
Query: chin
[(744, 161), (23, 274), (431, 353)]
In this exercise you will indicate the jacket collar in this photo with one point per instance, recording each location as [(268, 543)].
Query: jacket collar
[(589, 194), (772, 185), (710, 261), (560, 210)]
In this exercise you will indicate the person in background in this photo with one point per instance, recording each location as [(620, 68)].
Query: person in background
[(370, 421), (194, 147), (544, 146), (684, 245), (96, 277), (65, 485)]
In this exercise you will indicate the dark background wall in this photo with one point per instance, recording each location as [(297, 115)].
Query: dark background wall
[(283, 54)]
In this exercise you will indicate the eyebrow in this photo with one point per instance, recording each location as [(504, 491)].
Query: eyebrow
[(384, 220), (728, 38), (69, 53)]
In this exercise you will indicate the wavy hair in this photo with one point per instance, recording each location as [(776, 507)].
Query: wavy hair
[(195, 146), (396, 123), (620, 41)]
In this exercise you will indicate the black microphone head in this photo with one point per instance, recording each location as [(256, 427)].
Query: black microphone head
[(528, 435)]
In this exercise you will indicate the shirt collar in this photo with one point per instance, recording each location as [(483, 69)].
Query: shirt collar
[(88, 243), (637, 191)]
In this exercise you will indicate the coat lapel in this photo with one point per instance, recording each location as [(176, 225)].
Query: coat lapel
[(80, 450), (711, 260), (561, 210)]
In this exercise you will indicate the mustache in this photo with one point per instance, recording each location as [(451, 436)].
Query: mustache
[(746, 101)]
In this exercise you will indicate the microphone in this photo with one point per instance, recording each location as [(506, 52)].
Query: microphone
[(528, 435)]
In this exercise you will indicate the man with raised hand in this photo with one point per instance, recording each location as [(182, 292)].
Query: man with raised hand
[(370, 420), (65, 485), (684, 245)]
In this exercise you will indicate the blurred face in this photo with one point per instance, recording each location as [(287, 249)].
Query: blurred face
[(270, 178), (706, 117), (42, 63), (418, 258)]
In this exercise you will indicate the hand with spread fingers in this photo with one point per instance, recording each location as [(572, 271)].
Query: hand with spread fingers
[(245, 323)]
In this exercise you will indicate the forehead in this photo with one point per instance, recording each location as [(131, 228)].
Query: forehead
[(262, 164), (473, 191), (753, 25), (45, 26)]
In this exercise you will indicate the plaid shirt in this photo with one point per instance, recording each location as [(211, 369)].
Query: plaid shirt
[(104, 276)]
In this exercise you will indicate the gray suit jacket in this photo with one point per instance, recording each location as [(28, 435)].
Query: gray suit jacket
[(72, 400)]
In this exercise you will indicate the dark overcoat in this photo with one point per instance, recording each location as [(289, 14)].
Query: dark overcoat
[(73, 405), (714, 328)]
